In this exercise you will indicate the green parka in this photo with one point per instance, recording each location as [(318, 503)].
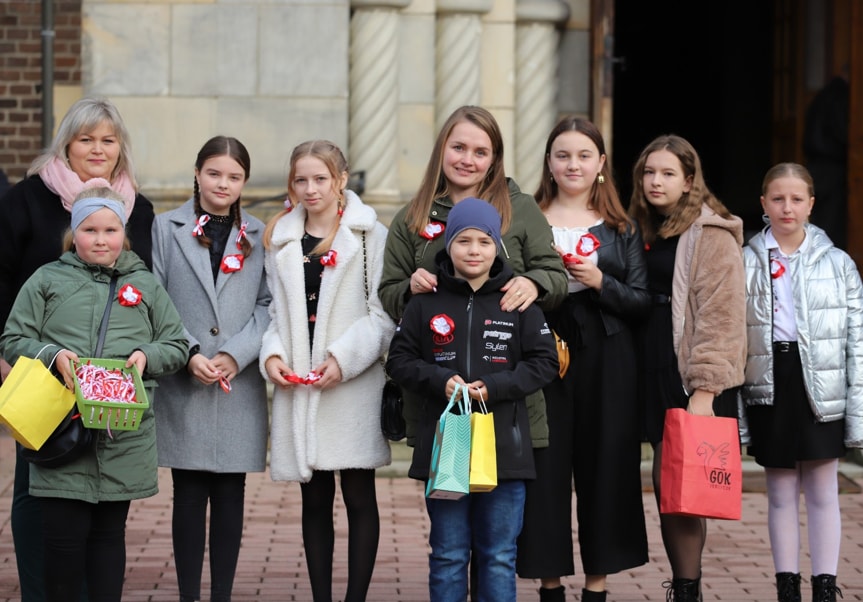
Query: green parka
[(62, 304), (527, 248)]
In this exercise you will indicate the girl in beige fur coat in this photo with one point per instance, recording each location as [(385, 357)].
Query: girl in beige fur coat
[(695, 337), (321, 350)]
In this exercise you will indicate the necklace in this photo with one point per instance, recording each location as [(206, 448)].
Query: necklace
[(219, 219)]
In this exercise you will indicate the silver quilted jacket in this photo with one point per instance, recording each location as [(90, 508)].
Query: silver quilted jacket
[(828, 308)]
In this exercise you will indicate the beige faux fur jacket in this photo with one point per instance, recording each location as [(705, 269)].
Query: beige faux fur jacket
[(708, 304)]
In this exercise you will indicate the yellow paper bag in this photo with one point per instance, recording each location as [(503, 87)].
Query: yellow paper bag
[(33, 402), (483, 451)]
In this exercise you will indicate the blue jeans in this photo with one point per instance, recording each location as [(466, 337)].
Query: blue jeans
[(487, 522)]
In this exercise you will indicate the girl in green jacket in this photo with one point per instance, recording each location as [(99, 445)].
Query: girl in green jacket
[(85, 502)]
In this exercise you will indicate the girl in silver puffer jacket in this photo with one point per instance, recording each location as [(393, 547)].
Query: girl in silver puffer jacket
[(803, 393)]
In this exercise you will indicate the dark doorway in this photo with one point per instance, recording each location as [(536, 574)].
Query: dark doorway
[(701, 70)]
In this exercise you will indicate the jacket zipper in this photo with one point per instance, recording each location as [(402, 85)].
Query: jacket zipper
[(469, 336)]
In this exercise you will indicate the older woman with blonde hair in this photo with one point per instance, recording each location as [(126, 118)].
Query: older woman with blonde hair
[(91, 148)]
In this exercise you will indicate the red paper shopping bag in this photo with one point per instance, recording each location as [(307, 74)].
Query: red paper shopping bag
[(701, 474)]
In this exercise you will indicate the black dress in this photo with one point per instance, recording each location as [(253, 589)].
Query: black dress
[(661, 385)]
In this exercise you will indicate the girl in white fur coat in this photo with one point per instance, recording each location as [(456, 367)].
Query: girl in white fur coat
[(321, 350)]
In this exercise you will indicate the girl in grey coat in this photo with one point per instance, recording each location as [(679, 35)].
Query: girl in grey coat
[(212, 417), (804, 376)]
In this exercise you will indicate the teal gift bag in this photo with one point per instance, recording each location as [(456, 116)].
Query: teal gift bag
[(449, 474)]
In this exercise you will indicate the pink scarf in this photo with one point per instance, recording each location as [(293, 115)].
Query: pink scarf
[(64, 182)]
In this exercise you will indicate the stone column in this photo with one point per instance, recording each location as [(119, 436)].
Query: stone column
[(536, 84), (457, 55), (373, 98)]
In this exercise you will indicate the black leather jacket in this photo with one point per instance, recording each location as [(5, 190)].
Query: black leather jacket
[(624, 297)]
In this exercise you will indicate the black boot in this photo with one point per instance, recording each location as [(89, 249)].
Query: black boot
[(591, 596), (788, 587), (554, 594), (683, 590), (824, 588)]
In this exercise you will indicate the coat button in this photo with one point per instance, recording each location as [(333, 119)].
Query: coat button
[(214, 331)]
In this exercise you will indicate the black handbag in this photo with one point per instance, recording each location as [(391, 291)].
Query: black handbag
[(392, 418), (65, 445), (71, 438)]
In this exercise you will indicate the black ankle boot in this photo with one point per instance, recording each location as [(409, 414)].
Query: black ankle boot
[(591, 596), (824, 588), (683, 590), (554, 594), (788, 587)]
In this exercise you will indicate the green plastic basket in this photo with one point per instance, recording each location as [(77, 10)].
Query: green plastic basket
[(116, 416)]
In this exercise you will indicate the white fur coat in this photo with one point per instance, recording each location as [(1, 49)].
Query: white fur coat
[(339, 427)]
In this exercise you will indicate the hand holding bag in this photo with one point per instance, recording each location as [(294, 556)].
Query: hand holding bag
[(701, 473), (71, 438), (449, 472), (33, 402), (483, 451)]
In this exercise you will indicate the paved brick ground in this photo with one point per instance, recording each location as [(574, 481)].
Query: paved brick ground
[(737, 563)]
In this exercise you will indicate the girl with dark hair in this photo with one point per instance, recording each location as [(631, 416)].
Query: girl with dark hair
[(212, 417), (594, 434), (322, 352), (694, 344)]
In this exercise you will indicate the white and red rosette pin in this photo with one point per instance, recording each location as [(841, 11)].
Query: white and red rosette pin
[(329, 258), (198, 230), (433, 230), (443, 327), (587, 245), (776, 268), (232, 263), (129, 296)]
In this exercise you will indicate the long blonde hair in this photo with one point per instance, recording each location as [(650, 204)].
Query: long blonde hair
[(688, 208), (331, 156), (434, 185)]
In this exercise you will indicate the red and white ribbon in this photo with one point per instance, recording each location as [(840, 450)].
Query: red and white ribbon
[(776, 268), (241, 235), (198, 230), (101, 384)]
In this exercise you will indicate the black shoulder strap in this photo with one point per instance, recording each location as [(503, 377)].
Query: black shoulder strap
[(103, 327)]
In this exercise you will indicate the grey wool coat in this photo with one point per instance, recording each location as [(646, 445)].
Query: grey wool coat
[(339, 427), (201, 427)]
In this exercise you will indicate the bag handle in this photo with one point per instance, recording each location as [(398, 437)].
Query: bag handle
[(53, 359), (455, 400), (482, 407)]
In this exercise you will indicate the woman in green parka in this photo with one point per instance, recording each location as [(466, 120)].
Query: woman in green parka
[(85, 503), (467, 160)]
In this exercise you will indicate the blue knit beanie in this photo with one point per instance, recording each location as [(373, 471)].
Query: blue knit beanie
[(473, 213)]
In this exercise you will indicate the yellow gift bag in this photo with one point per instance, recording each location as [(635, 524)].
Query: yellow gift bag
[(483, 451), (33, 402)]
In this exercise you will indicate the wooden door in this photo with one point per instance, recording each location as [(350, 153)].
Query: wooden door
[(602, 66)]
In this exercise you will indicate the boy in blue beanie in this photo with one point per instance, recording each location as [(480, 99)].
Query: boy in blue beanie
[(459, 335)]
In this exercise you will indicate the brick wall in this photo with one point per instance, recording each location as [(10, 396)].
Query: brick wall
[(21, 74)]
